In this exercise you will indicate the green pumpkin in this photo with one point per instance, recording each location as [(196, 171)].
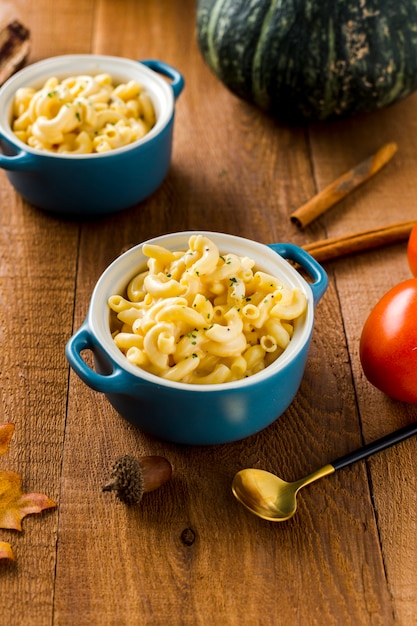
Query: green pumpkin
[(311, 60)]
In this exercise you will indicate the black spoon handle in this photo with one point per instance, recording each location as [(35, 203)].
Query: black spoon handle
[(376, 446)]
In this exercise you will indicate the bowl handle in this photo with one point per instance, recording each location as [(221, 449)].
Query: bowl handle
[(177, 79), (294, 253), (84, 340), (19, 160)]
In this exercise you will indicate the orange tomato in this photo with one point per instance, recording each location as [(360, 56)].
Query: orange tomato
[(388, 344)]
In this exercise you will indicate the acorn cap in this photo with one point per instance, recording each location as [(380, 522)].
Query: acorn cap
[(131, 478), (126, 480)]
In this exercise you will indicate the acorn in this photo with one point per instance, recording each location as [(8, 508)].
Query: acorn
[(130, 477)]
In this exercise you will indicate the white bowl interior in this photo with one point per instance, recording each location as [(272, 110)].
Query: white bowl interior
[(120, 69), (116, 277)]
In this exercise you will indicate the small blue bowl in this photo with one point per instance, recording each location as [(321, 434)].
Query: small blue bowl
[(92, 184), (188, 413)]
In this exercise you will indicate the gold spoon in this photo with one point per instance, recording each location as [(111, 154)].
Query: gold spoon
[(273, 499)]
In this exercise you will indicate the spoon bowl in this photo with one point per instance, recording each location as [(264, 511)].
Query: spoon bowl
[(265, 494), (273, 499), (268, 496)]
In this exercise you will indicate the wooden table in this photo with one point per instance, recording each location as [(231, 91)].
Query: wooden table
[(190, 553)]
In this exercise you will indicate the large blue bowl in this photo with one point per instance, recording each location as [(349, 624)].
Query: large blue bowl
[(92, 184), (188, 413)]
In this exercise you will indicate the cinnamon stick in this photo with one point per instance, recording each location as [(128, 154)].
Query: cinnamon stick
[(327, 249), (343, 185)]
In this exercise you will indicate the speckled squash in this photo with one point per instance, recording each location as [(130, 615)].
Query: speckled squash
[(311, 60)]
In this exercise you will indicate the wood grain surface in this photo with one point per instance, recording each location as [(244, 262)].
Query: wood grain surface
[(190, 554)]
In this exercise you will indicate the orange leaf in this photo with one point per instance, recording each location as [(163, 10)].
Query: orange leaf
[(6, 551), (15, 505), (6, 433)]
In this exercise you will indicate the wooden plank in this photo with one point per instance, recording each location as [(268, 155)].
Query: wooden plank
[(60, 27), (361, 281), (38, 257), (37, 272)]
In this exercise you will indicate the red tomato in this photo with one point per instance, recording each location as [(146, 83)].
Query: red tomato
[(388, 344), (412, 251)]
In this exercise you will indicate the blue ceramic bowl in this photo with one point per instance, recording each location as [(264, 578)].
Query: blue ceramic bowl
[(92, 184), (188, 413)]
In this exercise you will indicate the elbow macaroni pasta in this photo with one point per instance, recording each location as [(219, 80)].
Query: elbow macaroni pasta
[(197, 316), (82, 114)]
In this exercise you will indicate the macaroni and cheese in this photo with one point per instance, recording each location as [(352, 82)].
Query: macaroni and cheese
[(82, 114), (198, 316)]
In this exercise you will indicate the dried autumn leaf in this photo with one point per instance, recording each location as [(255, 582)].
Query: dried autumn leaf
[(6, 551), (6, 433), (15, 505)]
